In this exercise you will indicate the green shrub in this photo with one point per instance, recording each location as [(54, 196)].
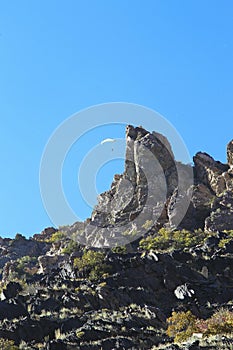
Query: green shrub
[(7, 345), (56, 237), (25, 260), (224, 241), (168, 240), (24, 265), (71, 247), (93, 263), (90, 258), (119, 250)]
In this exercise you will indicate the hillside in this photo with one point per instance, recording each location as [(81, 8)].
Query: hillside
[(158, 244)]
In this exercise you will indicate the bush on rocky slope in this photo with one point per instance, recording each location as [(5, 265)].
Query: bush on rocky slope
[(224, 241), (25, 266), (56, 236), (7, 345), (166, 240), (182, 325), (70, 248), (93, 263)]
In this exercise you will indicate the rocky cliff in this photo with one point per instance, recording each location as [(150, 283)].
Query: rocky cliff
[(155, 187), (159, 241)]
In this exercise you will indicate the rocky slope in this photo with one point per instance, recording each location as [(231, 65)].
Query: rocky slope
[(160, 240)]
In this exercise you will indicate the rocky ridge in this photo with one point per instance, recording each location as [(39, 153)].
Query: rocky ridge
[(118, 290)]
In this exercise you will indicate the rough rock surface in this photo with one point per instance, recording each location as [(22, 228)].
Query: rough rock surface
[(154, 186), (230, 153), (52, 298)]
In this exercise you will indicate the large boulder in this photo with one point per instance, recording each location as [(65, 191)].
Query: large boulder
[(11, 290), (208, 172), (221, 216), (49, 263), (11, 311), (29, 331), (219, 220), (199, 208)]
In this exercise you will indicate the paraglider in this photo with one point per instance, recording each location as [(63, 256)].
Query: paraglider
[(107, 140)]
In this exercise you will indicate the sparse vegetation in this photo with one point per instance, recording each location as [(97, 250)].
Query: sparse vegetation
[(221, 322), (57, 236), (6, 344), (168, 240), (93, 263), (80, 334), (119, 249), (25, 266), (130, 232), (71, 247), (182, 325), (224, 241), (148, 224)]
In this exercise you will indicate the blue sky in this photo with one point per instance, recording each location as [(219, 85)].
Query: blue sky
[(59, 57)]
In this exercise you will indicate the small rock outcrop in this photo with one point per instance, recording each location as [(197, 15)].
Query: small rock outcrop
[(230, 153)]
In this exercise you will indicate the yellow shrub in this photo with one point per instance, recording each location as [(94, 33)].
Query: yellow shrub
[(7, 345), (221, 322), (181, 326)]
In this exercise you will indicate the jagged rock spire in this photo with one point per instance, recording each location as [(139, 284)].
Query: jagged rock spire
[(230, 153)]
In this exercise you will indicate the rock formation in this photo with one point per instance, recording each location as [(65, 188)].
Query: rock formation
[(155, 187)]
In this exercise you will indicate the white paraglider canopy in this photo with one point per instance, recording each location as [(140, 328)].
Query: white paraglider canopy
[(107, 140)]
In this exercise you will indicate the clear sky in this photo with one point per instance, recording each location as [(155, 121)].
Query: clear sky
[(58, 57)]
